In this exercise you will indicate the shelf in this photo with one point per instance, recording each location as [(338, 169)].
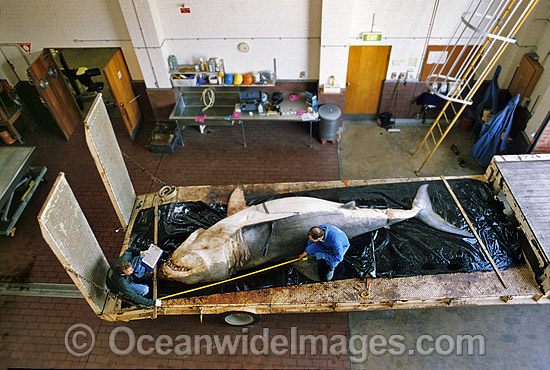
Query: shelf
[(189, 70)]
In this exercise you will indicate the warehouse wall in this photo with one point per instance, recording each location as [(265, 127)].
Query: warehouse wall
[(60, 23), (404, 25), (285, 30), (289, 31), (542, 90)]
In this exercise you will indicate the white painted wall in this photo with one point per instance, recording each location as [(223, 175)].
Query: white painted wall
[(61, 23), (285, 30), (334, 41), (542, 89), (404, 25), (290, 31)]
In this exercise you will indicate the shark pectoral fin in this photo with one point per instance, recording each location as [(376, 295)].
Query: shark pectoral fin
[(236, 201), (194, 235), (349, 205), (256, 218)]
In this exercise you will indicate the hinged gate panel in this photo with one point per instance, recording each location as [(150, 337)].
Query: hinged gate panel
[(67, 232), (103, 145)]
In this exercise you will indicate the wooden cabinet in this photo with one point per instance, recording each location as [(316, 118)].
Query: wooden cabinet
[(525, 78)]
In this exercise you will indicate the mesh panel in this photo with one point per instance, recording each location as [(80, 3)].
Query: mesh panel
[(103, 145), (70, 237)]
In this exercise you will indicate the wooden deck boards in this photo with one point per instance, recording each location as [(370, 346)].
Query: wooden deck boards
[(529, 182)]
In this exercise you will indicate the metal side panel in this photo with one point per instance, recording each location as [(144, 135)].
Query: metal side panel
[(67, 232), (103, 145)]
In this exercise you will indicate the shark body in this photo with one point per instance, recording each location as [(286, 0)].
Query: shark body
[(239, 241)]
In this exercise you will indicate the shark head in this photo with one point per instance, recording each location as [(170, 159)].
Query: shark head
[(202, 257)]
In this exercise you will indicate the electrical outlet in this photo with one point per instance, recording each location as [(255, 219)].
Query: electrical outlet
[(394, 75), (402, 75), (303, 74)]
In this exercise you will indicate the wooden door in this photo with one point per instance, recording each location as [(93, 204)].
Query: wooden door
[(525, 78), (118, 77), (367, 68), (51, 86)]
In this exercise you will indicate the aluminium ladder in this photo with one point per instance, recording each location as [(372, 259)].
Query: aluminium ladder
[(480, 38)]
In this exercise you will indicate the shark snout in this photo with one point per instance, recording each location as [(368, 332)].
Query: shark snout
[(189, 268)]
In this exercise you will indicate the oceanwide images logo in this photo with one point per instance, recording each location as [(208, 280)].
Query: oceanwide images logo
[(80, 341)]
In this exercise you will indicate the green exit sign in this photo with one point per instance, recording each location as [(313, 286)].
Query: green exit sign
[(372, 36)]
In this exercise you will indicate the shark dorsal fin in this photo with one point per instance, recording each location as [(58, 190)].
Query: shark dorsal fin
[(349, 205), (236, 201)]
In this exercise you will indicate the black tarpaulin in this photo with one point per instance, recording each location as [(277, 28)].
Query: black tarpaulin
[(405, 249)]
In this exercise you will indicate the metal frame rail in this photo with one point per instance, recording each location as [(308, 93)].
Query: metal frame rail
[(488, 26)]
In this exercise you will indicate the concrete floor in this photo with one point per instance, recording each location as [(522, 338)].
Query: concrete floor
[(514, 335), (368, 151)]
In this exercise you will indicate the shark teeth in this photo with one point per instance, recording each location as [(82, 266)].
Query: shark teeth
[(174, 267)]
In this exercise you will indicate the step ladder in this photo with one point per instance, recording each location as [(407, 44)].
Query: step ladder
[(480, 38)]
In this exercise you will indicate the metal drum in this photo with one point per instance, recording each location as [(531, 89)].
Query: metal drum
[(329, 115)]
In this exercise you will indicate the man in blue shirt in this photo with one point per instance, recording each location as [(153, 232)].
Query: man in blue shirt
[(125, 277), (328, 244)]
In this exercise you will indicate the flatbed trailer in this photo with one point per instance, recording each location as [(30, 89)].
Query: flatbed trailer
[(67, 232)]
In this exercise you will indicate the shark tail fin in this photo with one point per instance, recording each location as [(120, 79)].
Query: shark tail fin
[(427, 215)]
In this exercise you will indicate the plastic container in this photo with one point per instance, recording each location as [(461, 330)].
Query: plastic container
[(386, 121), (466, 120), (329, 115), (173, 62)]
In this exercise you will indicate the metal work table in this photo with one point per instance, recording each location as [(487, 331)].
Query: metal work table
[(189, 106), (17, 176)]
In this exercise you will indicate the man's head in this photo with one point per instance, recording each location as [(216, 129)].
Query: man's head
[(122, 267), (316, 234)]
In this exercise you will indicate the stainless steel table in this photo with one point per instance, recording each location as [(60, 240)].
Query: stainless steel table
[(18, 182), (188, 107)]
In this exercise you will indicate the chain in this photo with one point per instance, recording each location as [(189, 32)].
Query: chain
[(103, 288), (154, 178)]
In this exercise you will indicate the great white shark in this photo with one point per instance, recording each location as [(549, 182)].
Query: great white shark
[(277, 230)]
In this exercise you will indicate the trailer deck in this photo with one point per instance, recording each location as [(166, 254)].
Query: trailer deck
[(525, 182), (66, 230), (442, 290)]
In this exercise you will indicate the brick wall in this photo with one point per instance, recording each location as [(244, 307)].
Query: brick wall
[(400, 99), (543, 144)]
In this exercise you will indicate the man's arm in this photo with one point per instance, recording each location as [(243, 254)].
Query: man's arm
[(339, 241), (337, 256)]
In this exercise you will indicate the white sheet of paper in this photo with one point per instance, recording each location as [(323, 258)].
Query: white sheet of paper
[(152, 256), (434, 57)]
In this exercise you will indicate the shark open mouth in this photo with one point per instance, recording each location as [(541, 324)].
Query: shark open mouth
[(172, 266)]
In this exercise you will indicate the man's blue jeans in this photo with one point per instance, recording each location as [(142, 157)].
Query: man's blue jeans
[(326, 273), (139, 271)]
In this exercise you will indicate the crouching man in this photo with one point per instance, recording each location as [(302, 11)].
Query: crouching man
[(128, 277), (328, 244)]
